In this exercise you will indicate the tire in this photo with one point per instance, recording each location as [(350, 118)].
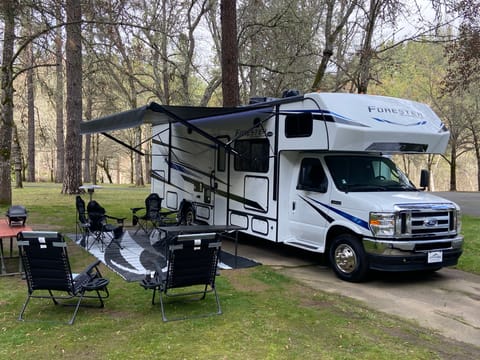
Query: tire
[(188, 216), (348, 258)]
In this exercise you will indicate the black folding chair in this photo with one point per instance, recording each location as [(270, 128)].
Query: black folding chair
[(83, 223), (192, 261), (153, 216), (48, 274), (104, 233)]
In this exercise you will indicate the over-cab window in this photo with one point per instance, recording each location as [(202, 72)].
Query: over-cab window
[(252, 155), (298, 125), (312, 176)]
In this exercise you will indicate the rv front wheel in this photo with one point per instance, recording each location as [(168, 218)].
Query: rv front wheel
[(348, 258)]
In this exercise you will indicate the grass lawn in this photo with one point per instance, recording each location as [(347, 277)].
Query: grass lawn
[(266, 315)]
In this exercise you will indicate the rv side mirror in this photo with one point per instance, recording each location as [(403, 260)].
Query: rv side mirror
[(424, 178)]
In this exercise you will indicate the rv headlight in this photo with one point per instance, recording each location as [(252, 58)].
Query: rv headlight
[(382, 224), (458, 221)]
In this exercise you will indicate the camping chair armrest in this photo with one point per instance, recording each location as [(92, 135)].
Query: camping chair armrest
[(96, 284), (156, 281), (90, 273), (92, 270), (119, 220), (134, 210)]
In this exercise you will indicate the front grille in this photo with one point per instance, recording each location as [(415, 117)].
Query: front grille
[(426, 220)]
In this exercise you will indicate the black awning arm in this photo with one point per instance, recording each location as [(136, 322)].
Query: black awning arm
[(122, 143), (199, 131)]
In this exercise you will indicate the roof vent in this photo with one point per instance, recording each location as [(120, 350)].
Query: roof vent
[(290, 93)]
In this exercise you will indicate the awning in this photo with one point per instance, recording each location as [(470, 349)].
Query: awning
[(157, 114), (189, 116)]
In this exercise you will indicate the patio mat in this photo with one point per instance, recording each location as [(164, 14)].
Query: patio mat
[(137, 257)]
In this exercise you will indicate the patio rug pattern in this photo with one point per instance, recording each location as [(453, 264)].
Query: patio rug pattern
[(137, 257)]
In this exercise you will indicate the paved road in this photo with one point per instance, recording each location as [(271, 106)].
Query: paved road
[(447, 301), (468, 201)]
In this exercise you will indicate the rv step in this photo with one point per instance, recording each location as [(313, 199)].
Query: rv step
[(304, 246)]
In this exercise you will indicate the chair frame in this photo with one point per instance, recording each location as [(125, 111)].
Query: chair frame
[(83, 223), (100, 229), (47, 270), (154, 217), (192, 260)]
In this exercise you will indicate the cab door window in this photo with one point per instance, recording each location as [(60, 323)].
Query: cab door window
[(312, 176)]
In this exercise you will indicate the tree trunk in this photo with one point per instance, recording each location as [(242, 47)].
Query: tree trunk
[(164, 57), (73, 147), (453, 169), (31, 116), (94, 158), (86, 161), (230, 85), (331, 33), (60, 138), (139, 181), (367, 52), (6, 117), (17, 159), (148, 162)]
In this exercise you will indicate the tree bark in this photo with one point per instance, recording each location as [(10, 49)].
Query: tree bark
[(331, 33), (60, 136), (73, 147), (30, 115), (6, 117), (453, 169), (230, 84), (367, 52), (17, 159), (87, 145)]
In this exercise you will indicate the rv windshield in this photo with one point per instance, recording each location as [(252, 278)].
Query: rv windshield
[(367, 173)]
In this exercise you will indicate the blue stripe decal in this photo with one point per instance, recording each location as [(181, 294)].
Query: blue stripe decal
[(180, 168), (320, 112), (320, 211), (343, 119), (347, 216), (418, 123)]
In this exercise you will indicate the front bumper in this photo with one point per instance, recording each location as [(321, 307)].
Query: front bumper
[(388, 255)]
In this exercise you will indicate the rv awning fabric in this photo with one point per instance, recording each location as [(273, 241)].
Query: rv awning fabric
[(156, 114)]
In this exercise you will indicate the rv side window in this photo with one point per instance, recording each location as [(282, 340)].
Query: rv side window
[(222, 154), (298, 125), (221, 159), (312, 176), (252, 155)]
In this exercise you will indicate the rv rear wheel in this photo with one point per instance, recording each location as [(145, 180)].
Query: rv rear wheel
[(188, 216), (348, 258)]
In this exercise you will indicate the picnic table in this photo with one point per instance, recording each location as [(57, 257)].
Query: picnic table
[(9, 233)]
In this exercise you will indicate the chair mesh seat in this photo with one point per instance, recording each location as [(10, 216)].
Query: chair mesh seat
[(47, 268)]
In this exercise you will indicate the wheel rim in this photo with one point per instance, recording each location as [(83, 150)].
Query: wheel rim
[(345, 259), (189, 217)]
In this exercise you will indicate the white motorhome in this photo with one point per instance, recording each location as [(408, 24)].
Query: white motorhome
[(310, 171)]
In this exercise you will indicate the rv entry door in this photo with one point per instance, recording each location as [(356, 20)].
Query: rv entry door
[(307, 217)]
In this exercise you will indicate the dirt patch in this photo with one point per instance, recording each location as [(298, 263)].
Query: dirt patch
[(446, 348)]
